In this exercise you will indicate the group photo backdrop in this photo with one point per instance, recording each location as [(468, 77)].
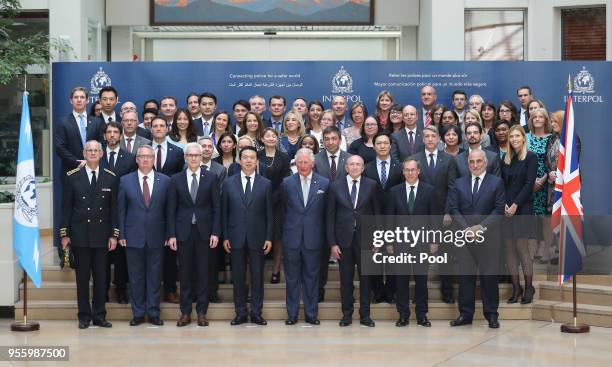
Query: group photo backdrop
[(362, 81)]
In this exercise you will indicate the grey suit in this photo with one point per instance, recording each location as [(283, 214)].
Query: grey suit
[(400, 149), (493, 163), (137, 143), (218, 170), (322, 164)]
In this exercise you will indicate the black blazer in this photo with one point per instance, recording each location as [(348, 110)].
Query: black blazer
[(68, 145), (207, 206), (425, 207), (444, 178), (395, 175), (519, 178), (486, 209), (124, 163), (493, 163), (342, 219), (141, 131), (399, 144), (89, 217), (175, 160), (247, 223), (359, 148), (280, 168)]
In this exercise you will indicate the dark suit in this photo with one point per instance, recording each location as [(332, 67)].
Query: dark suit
[(247, 224), (68, 144), (174, 163), (144, 229), (344, 229), (216, 258), (303, 239), (124, 164), (442, 178), (400, 147), (145, 133), (323, 168), (486, 209), (192, 223), (199, 123), (89, 218), (423, 210), (136, 143), (381, 288), (493, 163), (519, 177)]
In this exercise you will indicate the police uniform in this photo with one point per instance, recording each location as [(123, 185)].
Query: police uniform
[(90, 219)]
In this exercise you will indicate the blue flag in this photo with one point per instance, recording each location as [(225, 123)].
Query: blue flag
[(26, 236)]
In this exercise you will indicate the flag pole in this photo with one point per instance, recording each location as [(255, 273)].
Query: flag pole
[(574, 327), (25, 325)]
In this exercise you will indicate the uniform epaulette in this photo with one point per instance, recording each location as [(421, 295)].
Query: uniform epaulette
[(73, 171), (110, 172)]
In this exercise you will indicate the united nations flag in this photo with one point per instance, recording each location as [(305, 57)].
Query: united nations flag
[(26, 236)]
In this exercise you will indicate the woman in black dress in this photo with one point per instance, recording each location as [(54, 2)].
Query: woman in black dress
[(364, 146), (275, 165), (519, 172)]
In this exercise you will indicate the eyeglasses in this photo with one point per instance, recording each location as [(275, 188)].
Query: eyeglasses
[(504, 111), (396, 113)]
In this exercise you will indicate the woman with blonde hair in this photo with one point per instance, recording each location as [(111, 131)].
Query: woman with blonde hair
[(519, 170), (293, 130), (384, 101), (358, 114)]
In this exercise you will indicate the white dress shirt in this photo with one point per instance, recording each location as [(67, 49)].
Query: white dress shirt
[(337, 157), (89, 171), (349, 181), (387, 166), (150, 180), (435, 156), (188, 172), (416, 188), (164, 149), (116, 150), (244, 180), (482, 175), (105, 117)]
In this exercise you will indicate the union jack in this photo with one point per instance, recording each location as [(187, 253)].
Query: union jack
[(567, 213)]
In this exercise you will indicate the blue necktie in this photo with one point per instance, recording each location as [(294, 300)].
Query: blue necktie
[(383, 173), (83, 129), (432, 165), (475, 188), (247, 189)]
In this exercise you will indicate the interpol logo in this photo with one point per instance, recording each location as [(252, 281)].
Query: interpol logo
[(342, 82), (98, 81), (25, 201), (584, 82)]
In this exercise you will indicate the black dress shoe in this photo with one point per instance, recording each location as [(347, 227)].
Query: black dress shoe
[(122, 298), (258, 320), (423, 321), (461, 320), (214, 297), (346, 321), (493, 322), (291, 321), (83, 324), (313, 321), (156, 321), (136, 321), (402, 321), (448, 299), (366, 321), (102, 323), (238, 320)]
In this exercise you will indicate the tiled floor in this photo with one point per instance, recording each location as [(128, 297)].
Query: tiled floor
[(516, 343)]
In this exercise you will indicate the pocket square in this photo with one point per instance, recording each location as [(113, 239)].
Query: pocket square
[(320, 192), (106, 190)]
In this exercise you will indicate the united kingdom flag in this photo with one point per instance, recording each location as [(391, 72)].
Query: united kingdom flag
[(567, 210)]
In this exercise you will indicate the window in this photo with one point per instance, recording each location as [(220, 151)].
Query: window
[(584, 33), (10, 113), (494, 35)]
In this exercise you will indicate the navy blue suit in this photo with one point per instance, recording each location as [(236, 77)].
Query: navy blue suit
[(192, 223), (487, 209), (424, 209), (68, 144), (344, 229), (145, 230), (247, 224), (303, 239)]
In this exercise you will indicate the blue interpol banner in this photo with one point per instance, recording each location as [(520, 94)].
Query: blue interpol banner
[(362, 81)]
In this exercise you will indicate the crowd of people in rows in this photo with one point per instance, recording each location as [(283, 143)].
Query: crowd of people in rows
[(169, 193)]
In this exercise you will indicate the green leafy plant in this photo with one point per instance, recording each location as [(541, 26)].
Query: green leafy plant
[(6, 197), (17, 54)]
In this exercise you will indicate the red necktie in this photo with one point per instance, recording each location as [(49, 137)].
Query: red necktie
[(427, 118), (158, 159), (145, 191)]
